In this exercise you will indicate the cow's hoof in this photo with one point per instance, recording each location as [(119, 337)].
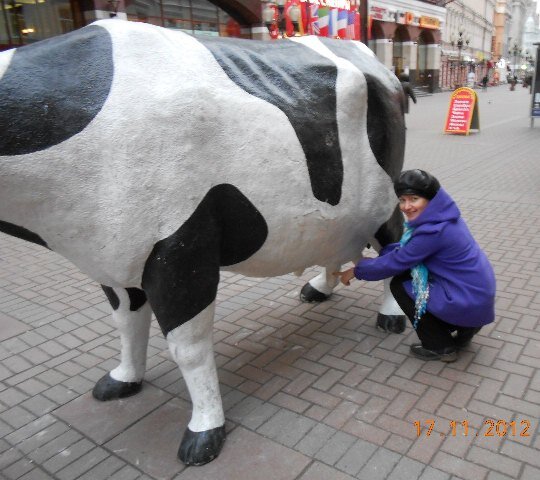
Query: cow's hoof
[(198, 448), (391, 323), (107, 388), (309, 294)]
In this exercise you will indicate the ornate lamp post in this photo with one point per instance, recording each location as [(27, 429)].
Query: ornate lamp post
[(112, 6), (515, 51), (274, 16), (461, 41)]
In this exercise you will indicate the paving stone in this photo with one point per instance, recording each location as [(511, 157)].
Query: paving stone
[(31, 445), (248, 453), (60, 444), (406, 468), (8, 457), (82, 464), (125, 473), (62, 457), (11, 327), (165, 426), (286, 427), (18, 469), (458, 466), (335, 448), (103, 470), (315, 439), (356, 457), (16, 417), (101, 421), (379, 465), (494, 461), (434, 474), (319, 471)]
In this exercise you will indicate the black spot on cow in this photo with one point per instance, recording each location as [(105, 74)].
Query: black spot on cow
[(137, 298), (111, 296), (392, 229), (22, 233), (53, 89), (302, 84), (385, 122), (181, 274)]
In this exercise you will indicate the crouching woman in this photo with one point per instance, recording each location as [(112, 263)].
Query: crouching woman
[(442, 280)]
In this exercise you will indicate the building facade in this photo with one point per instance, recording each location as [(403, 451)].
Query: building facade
[(467, 43), (27, 21), (436, 42), (405, 36)]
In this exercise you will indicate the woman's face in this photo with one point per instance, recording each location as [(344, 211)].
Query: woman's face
[(412, 205)]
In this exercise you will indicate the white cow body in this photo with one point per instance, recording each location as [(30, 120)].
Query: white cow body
[(138, 174), (173, 126)]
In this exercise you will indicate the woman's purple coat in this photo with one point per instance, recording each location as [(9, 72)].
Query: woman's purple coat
[(461, 279)]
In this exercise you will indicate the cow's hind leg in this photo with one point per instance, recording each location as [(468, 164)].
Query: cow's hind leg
[(390, 317), (182, 295), (181, 277), (192, 348), (132, 315), (318, 289)]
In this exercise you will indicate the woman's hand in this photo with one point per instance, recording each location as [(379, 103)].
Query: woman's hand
[(346, 276)]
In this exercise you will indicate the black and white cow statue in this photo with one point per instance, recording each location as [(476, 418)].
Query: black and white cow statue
[(152, 160)]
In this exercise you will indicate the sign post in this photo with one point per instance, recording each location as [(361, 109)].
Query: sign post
[(535, 90), (463, 112)]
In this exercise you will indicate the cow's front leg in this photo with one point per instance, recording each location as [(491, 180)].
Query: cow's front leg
[(132, 315), (320, 288), (192, 348)]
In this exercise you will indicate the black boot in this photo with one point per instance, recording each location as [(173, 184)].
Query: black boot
[(448, 354)]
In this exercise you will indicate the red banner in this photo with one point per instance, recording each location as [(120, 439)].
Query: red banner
[(461, 111)]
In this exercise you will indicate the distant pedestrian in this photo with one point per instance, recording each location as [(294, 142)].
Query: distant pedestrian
[(485, 83), (470, 79), (407, 91)]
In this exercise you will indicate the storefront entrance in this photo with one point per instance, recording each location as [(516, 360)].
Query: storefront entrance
[(401, 35)]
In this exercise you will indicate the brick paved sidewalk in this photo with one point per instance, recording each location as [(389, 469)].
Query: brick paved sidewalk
[(311, 392)]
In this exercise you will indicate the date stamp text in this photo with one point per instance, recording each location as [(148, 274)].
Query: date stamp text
[(489, 428)]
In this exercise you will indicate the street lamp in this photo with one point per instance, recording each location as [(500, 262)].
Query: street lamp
[(515, 51), (461, 41), (112, 6), (274, 16)]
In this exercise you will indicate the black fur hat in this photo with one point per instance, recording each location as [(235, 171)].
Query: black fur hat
[(417, 182)]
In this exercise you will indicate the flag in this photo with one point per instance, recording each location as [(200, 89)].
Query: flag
[(350, 26), (323, 22), (332, 23), (313, 29), (342, 20)]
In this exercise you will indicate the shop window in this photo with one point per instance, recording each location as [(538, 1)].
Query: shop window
[(177, 15), (4, 35), (147, 11), (27, 21), (205, 18), (198, 17)]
